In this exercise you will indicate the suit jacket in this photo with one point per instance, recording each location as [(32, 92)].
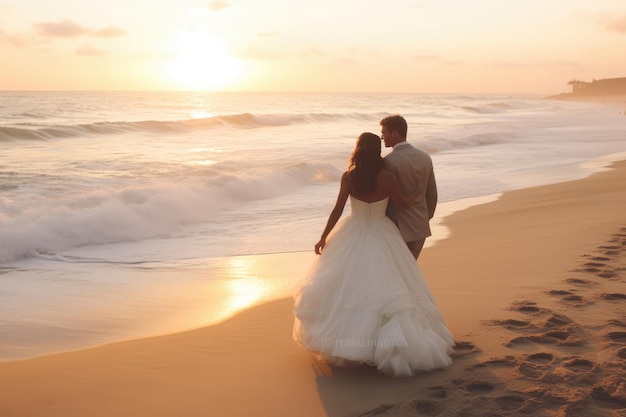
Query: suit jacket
[(414, 171)]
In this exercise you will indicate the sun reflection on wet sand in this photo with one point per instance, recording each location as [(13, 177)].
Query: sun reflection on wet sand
[(241, 282), (244, 288), (161, 298)]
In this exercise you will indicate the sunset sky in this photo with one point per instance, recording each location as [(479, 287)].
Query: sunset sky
[(429, 46)]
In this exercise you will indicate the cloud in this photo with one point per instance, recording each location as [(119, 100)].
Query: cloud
[(110, 32), (617, 25), (88, 50), (10, 39), (217, 5), (70, 30), (46, 32), (62, 29), (18, 40)]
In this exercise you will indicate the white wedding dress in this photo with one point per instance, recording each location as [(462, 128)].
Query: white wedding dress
[(365, 300)]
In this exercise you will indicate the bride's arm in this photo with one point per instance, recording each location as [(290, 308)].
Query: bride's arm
[(344, 192)]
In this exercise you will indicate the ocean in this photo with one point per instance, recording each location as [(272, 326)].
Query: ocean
[(129, 214)]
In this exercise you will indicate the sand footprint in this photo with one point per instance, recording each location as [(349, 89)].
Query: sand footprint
[(616, 247), (428, 407), (580, 282), (528, 307), (511, 324), (437, 392), (613, 296), (579, 365), (619, 337), (510, 402), (540, 358), (478, 387), (556, 320), (562, 337), (607, 273), (576, 385), (545, 367), (376, 411), (559, 293), (565, 337), (608, 394), (600, 265), (593, 267), (612, 250), (462, 348), (607, 247), (532, 370), (506, 362), (560, 330), (600, 268), (568, 296), (617, 323)]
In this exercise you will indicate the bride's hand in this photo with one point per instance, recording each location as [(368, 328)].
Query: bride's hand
[(319, 246)]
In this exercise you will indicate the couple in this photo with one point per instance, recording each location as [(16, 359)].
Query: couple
[(365, 299)]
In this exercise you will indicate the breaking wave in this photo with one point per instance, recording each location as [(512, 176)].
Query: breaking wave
[(238, 121)]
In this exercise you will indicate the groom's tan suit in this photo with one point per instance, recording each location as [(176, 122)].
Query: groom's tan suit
[(414, 171)]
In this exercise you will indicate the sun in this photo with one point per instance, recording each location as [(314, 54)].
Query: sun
[(202, 62)]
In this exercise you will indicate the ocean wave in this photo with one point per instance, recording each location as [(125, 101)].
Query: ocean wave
[(127, 213), (55, 257), (487, 109), (467, 140), (239, 121)]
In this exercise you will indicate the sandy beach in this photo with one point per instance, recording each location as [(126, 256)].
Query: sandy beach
[(531, 285)]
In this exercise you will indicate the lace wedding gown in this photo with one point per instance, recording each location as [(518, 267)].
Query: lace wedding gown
[(365, 300)]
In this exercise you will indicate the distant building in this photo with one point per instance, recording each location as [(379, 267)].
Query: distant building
[(609, 86)]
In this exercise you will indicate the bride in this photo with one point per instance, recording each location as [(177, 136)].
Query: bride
[(365, 300)]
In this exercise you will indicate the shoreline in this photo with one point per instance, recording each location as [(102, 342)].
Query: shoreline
[(532, 287), (595, 98), (178, 298), (234, 288)]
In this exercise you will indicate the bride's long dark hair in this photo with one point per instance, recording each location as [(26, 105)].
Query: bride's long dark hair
[(366, 162)]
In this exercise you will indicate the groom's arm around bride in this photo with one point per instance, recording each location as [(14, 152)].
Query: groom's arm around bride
[(414, 171)]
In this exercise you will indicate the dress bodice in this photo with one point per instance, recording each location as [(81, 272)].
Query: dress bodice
[(368, 211)]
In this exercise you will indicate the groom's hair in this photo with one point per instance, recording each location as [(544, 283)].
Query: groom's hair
[(395, 122)]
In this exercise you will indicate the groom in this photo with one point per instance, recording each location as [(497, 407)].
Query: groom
[(414, 170)]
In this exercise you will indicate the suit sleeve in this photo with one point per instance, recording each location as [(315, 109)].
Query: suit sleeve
[(431, 195)]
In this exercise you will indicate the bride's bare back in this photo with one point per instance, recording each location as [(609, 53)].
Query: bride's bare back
[(386, 186)]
